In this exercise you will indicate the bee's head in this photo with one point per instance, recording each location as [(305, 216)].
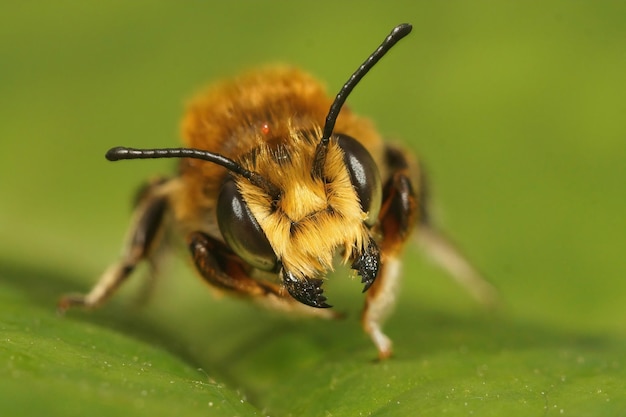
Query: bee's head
[(297, 225), (291, 207)]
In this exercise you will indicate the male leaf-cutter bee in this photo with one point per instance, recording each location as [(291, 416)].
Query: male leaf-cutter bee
[(275, 182)]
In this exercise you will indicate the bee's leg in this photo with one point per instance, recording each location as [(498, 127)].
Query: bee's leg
[(397, 218), (450, 258), (144, 236), (223, 269), (445, 253), (379, 303)]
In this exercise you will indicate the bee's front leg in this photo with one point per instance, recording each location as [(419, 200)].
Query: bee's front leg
[(220, 267)]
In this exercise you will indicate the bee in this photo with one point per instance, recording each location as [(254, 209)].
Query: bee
[(277, 183)]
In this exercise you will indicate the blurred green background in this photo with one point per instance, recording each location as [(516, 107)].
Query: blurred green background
[(517, 108)]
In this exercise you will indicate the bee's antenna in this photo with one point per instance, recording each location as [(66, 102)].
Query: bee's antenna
[(121, 152), (396, 34)]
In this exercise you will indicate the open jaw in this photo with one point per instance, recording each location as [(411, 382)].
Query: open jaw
[(309, 290)]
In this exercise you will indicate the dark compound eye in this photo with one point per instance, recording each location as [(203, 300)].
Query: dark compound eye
[(364, 176), (241, 230)]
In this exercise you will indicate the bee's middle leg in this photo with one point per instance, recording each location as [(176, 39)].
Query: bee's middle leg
[(397, 220), (145, 236)]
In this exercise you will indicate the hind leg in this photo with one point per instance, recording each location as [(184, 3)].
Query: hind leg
[(445, 254)]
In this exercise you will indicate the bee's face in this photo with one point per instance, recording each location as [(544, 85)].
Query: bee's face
[(300, 230)]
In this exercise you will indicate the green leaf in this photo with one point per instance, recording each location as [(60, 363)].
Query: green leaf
[(53, 365), (517, 110), (125, 359)]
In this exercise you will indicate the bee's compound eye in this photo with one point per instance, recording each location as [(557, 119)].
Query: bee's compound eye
[(364, 176), (241, 230)]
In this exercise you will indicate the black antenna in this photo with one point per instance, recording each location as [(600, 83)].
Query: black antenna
[(396, 34), (120, 152)]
